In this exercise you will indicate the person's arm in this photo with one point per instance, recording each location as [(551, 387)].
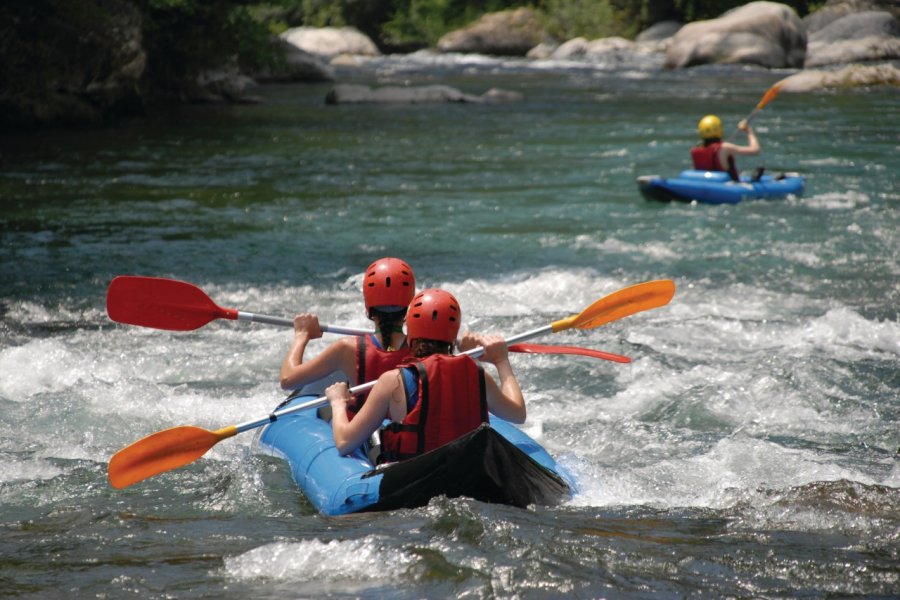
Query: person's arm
[(506, 400), (349, 435), (752, 146), (336, 356)]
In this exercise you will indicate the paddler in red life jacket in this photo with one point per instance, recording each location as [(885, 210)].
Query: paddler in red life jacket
[(435, 397), (388, 286), (712, 154)]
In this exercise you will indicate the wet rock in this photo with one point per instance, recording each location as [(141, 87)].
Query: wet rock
[(428, 94), (768, 34), (851, 76), (504, 33), (857, 37), (226, 84)]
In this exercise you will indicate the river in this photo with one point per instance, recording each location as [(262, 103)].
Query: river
[(750, 450)]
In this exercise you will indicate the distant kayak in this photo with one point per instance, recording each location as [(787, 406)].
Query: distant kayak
[(496, 463), (716, 187)]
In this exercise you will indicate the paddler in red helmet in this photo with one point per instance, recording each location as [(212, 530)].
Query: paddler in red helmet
[(388, 287), (435, 397)]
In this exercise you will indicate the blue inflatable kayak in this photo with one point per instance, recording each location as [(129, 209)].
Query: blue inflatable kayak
[(716, 187), (496, 463)]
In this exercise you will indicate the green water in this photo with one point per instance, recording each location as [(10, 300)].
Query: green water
[(749, 450)]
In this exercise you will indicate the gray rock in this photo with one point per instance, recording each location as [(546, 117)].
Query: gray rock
[(329, 42), (659, 31), (505, 33), (857, 37), (836, 9), (346, 93), (768, 34), (810, 80)]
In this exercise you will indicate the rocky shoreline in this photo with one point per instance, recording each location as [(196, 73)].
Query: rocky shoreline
[(847, 43)]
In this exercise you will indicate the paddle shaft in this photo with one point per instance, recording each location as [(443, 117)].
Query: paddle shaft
[(363, 387), (255, 318)]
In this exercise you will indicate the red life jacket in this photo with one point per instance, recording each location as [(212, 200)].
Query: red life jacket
[(452, 401), (371, 362), (706, 158)]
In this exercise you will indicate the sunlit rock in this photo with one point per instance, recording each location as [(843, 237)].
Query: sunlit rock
[(329, 42), (857, 37), (811, 80), (768, 34), (505, 33)]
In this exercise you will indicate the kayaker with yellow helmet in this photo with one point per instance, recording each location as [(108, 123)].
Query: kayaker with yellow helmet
[(713, 154)]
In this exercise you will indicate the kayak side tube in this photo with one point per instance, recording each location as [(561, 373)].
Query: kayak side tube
[(496, 463), (715, 187)]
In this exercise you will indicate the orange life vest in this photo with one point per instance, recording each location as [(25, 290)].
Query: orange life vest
[(452, 401)]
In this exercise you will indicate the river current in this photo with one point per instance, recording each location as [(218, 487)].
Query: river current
[(749, 450)]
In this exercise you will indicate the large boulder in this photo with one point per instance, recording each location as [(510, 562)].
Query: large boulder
[(810, 80), (857, 37), (504, 33), (768, 34), (836, 9), (346, 93), (330, 42)]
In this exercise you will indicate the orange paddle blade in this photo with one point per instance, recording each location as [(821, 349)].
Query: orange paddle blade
[(161, 452), (625, 302), (769, 95)]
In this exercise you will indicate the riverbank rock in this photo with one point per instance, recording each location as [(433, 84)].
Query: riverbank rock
[(811, 80), (298, 65), (768, 34), (504, 33), (330, 42), (657, 38), (836, 9), (857, 37), (347, 93), (226, 84)]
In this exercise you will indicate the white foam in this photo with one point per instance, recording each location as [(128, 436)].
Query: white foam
[(369, 559)]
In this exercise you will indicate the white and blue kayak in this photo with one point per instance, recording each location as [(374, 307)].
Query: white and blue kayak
[(716, 187), (497, 463)]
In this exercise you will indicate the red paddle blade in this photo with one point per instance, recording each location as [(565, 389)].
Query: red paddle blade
[(161, 303), (543, 349)]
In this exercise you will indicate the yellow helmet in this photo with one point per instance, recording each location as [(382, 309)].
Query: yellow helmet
[(710, 127)]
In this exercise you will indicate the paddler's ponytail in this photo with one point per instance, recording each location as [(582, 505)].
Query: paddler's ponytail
[(388, 324)]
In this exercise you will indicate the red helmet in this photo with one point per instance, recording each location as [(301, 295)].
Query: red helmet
[(433, 315), (388, 282)]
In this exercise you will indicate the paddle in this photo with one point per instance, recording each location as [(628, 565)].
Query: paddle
[(179, 446), (179, 306), (176, 305), (767, 97), (545, 349)]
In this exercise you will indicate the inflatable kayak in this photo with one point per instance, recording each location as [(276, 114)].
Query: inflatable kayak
[(496, 463), (716, 187)]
